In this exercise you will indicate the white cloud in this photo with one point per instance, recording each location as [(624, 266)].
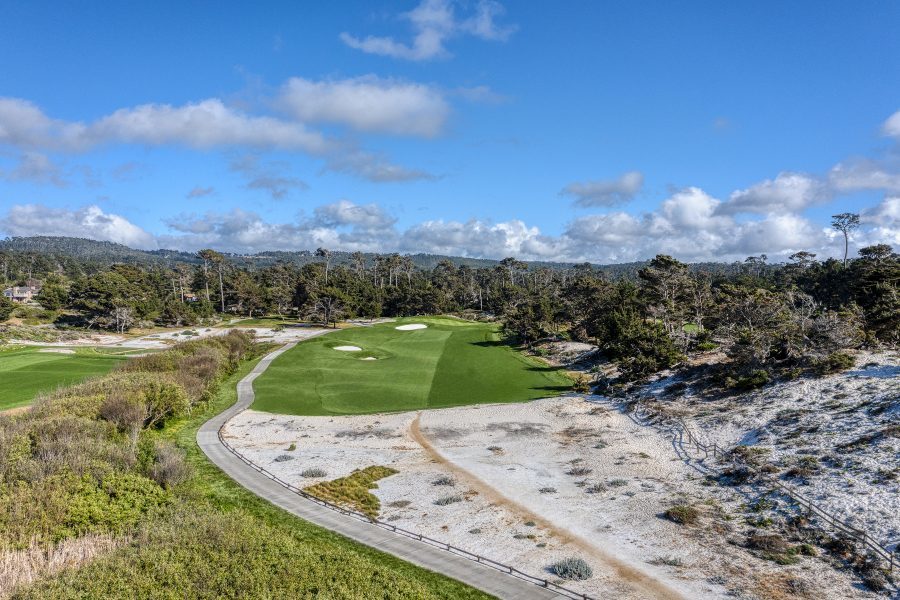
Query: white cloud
[(344, 212), (863, 175), (86, 222), (367, 104), (212, 124), (606, 193), (787, 193), (36, 168), (204, 124), (433, 23), (892, 125)]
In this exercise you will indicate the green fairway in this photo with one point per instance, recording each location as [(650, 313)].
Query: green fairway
[(450, 363), (26, 371)]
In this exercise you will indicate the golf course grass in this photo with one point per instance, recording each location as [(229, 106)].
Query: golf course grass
[(448, 363), (27, 371)]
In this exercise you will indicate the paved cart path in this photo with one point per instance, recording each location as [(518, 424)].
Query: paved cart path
[(434, 559)]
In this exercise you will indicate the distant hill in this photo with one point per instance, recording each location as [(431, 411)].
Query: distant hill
[(107, 253)]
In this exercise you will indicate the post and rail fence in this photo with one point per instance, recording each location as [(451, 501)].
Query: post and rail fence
[(483, 560), (891, 557)]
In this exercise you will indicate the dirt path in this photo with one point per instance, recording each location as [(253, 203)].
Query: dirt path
[(647, 586)]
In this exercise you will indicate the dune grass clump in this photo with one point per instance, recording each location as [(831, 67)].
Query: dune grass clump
[(572, 568), (353, 491), (313, 472), (547, 490), (579, 471), (445, 500), (682, 514), (444, 480)]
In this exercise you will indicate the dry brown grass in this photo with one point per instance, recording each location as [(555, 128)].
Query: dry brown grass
[(22, 567)]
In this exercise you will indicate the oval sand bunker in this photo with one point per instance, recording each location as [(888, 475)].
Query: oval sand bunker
[(411, 326), (348, 348), (369, 358)]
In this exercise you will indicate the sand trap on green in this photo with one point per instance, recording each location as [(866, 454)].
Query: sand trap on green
[(27, 371), (448, 362)]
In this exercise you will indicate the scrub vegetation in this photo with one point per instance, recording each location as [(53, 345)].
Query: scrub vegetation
[(116, 456), (352, 491)]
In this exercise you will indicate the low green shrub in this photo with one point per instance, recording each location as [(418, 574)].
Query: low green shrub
[(572, 568), (682, 514)]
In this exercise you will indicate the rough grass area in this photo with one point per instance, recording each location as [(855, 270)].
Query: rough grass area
[(450, 363), (353, 491), (211, 538), (26, 371)]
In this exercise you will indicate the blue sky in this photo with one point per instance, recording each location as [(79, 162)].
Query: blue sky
[(565, 131)]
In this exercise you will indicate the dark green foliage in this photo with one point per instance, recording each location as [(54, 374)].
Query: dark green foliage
[(7, 307), (834, 363), (682, 514)]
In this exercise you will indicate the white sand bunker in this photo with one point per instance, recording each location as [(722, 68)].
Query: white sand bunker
[(348, 348), (369, 358), (57, 351), (411, 326)]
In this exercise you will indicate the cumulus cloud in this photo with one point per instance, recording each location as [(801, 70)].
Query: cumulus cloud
[(787, 193), (891, 127), (400, 108), (367, 104), (86, 222), (606, 193), (863, 175), (36, 168), (204, 124), (344, 212), (433, 23)]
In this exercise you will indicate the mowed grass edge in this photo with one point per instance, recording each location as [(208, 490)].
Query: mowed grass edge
[(450, 363), (27, 371)]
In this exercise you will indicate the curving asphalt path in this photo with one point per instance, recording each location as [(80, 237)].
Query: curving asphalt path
[(476, 575)]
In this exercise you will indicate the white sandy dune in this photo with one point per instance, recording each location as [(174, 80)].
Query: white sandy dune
[(537, 482)]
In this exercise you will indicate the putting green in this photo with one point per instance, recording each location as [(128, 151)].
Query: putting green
[(449, 363), (26, 371)]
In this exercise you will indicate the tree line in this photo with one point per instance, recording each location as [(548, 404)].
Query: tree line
[(766, 317)]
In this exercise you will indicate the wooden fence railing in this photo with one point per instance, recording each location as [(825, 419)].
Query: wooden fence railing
[(891, 557), (538, 581)]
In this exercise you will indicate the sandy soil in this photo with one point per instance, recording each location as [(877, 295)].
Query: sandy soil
[(815, 419), (161, 340), (515, 470)]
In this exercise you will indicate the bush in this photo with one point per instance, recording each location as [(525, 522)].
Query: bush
[(313, 472), (755, 379), (169, 467), (579, 471), (445, 500), (443, 480), (547, 490), (283, 458), (572, 568), (834, 363), (682, 514)]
